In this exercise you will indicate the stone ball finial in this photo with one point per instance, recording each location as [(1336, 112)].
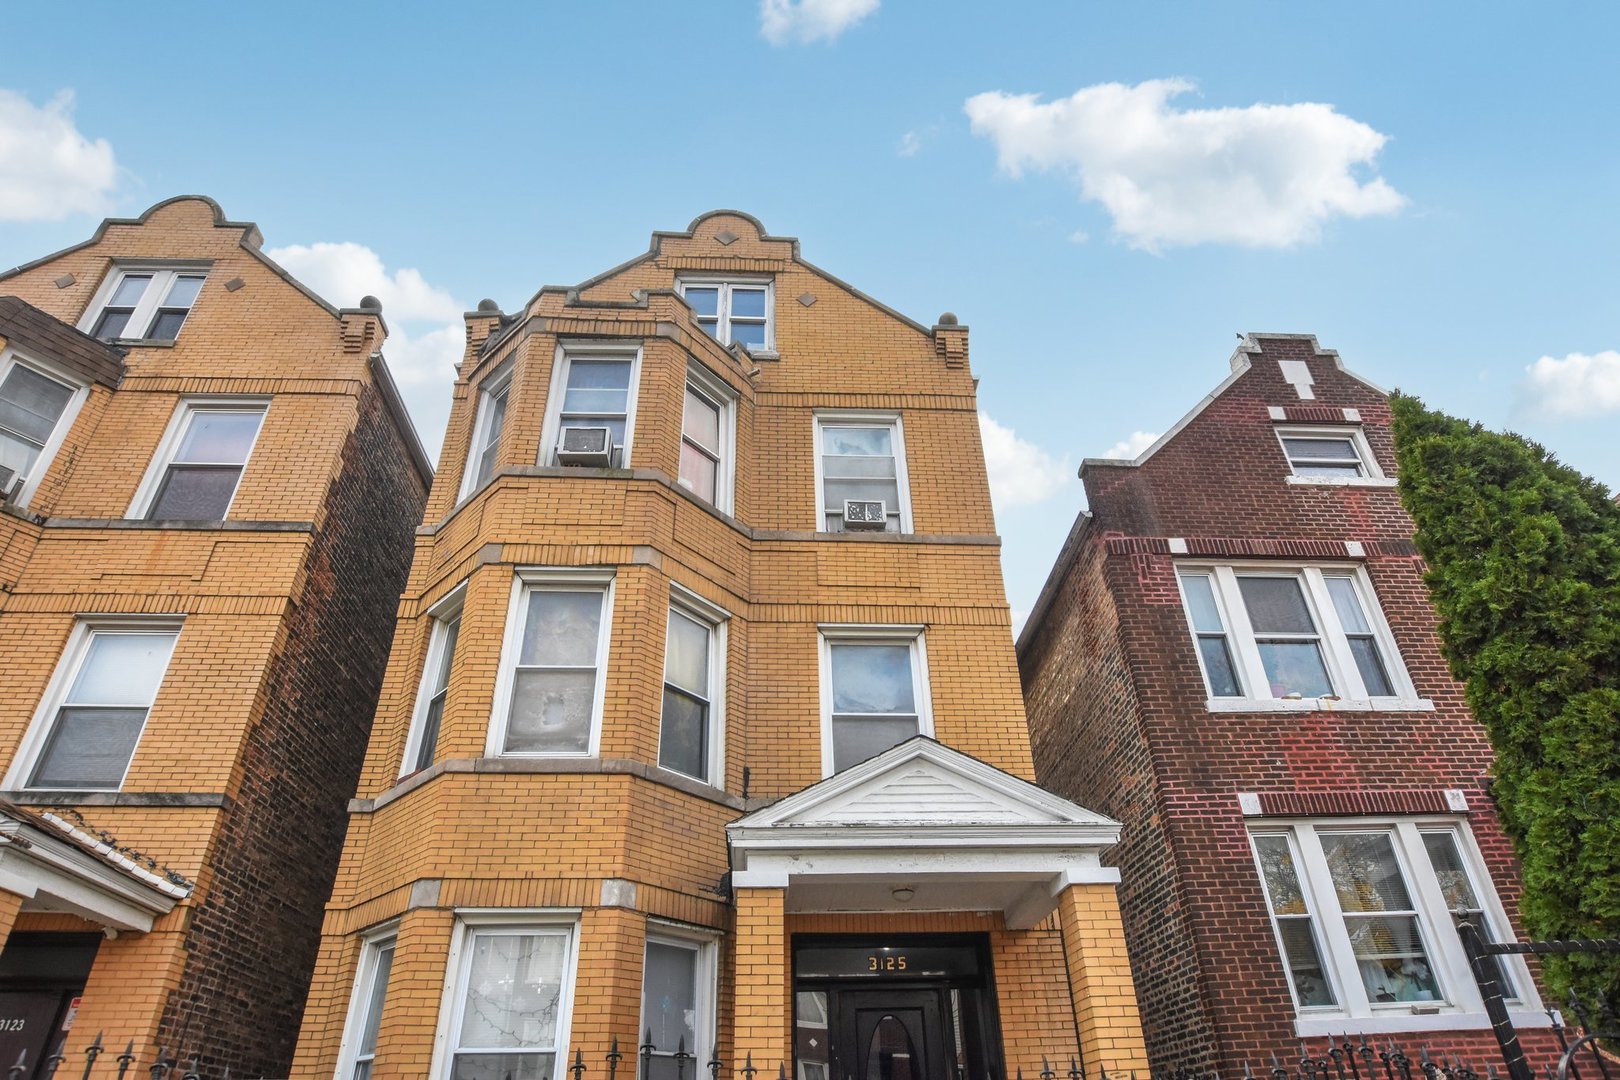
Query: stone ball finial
[(948, 319), (371, 303), (486, 304)]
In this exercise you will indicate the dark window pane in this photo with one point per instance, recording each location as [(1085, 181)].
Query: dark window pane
[(1319, 469), (430, 732), (374, 1000), (1218, 667), (1342, 449), (89, 748), (501, 1067), (130, 290), (1276, 605), (1311, 986), (30, 403), (195, 493), (669, 999), (684, 744), (166, 325), (1371, 666), (855, 740), (111, 324), (1294, 667)]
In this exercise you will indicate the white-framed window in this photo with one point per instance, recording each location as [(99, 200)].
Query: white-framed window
[(422, 745), (1292, 635), (548, 699), (708, 438), (493, 396), (90, 720), (737, 311), (37, 406), (509, 997), (1328, 454), (861, 456), (874, 692), (366, 1004), (692, 729), (592, 386), (143, 303), (1362, 913), (678, 1000), (199, 462)]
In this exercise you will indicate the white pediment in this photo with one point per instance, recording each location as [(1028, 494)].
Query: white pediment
[(925, 784)]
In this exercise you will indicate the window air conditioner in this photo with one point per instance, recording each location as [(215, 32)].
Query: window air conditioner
[(8, 479), (586, 446), (865, 514)]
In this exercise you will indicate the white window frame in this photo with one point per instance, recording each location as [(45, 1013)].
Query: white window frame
[(566, 353), (372, 944), (718, 620), (146, 310), (862, 418), (499, 382), (1371, 474), (167, 446), (712, 387), (705, 943), (562, 579), (863, 634), (1343, 674), (440, 615), (458, 969), (722, 324), (1459, 1008), (67, 669), (10, 358)]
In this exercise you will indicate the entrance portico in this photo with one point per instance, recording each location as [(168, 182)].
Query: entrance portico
[(904, 841)]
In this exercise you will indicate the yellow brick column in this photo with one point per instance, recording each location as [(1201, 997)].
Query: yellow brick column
[(762, 1017), (10, 905), (1100, 979)]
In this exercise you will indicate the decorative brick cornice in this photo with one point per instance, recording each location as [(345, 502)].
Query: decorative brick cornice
[(1353, 803)]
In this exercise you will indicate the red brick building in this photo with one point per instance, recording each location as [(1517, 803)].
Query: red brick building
[(1235, 656)]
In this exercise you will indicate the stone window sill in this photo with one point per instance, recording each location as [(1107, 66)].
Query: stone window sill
[(1395, 1023), (1260, 705), (1343, 481)]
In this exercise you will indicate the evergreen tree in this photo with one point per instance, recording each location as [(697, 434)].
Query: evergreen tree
[(1523, 558)]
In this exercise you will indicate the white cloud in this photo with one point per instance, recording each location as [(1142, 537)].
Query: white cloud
[(426, 335), (1577, 385), (1021, 473), (910, 144), (1259, 176), (345, 272), (1079, 236), (48, 170), (782, 21), (1127, 448)]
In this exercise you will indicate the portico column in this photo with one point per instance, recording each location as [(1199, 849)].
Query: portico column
[(763, 1017), (10, 905), (1100, 979)]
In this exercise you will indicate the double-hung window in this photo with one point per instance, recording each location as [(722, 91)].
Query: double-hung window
[(861, 457), (694, 676), (422, 746), (677, 1003), (874, 692), (366, 1008), (199, 464), (1362, 916), (708, 435), (487, 428), (554, 666), (143, 304), (1270, 634), (592, 387), (733, 312), (92, 718), (1328, 454), (36, 408), (510, 1002)]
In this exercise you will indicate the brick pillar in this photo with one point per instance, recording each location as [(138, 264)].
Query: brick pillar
[(415, 987), (1100, 980), (762, 1017), (10, 905)]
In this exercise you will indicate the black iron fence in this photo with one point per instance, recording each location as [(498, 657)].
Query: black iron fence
[(100, 1062)]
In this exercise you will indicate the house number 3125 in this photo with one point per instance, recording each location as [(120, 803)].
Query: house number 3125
[(885, 963)]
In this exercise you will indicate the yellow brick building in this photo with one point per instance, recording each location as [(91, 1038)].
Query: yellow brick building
[(702, 731), (209, 486)]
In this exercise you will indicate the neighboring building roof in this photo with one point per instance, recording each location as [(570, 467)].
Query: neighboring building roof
[(46, 337)]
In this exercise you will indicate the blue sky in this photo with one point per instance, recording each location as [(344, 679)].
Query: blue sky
[(1432, 189)]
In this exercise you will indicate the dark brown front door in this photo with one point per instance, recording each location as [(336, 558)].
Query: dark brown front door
[(884, 1034)]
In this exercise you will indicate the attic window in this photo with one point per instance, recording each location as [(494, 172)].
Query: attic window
[(733, 311), (1328, 453)]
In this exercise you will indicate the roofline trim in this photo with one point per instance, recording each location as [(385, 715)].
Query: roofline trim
[(1054, 579), (402, 417)]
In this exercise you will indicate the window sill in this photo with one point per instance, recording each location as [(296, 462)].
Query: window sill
[(165, 523), (1342, 481), (763, 354), (1261, 705), (141, 343), (105, 797), (1395, 1023)]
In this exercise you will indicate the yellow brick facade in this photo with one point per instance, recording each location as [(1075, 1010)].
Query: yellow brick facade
[(610, 845), (243, 592)]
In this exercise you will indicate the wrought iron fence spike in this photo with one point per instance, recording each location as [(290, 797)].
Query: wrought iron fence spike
[(1075, 1071), (17, 1070), (781, 1070)]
